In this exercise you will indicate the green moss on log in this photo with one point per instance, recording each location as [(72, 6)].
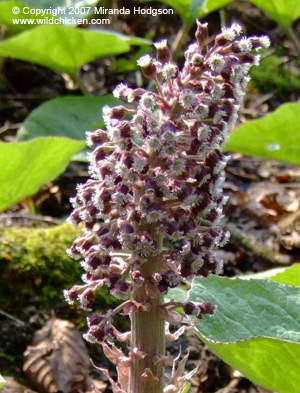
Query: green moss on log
[(34, 266)]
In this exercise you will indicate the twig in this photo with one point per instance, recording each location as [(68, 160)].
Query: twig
[(231, 387), (180, 36), (31, 217), (257, 247), (9, 126), (289, 220), (12, 317), (223, 18)]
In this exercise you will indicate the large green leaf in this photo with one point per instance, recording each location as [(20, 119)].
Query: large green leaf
[(68, 116), (255, 329), (27, 166), (65, 49), (7, 16), (276, 136), (284, 12), (177, 294), (76, 9)]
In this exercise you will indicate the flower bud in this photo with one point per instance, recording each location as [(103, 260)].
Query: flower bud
[(94, 319), (94, 335), (190, 308), (96, 137), (207, 308), (147, 66), (201, 33), (87, 299), (121, 290), (163, 53)]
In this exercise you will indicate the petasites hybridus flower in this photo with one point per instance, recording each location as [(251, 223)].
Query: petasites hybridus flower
[(156, 178)]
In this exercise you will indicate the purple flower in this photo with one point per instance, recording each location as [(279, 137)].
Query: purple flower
[(157, 174)]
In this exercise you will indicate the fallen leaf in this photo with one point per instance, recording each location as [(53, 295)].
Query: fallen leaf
[(58, 359)]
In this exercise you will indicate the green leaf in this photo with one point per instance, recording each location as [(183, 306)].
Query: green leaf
[(2, 381), (7, 16), (212, 5), (65, 49), (69, 116), (76, 9), (284, 275), (29, 165), (178, 294), (288, 276), (282, 11), (189, 9), (195, 6), (183, 7), (276, 136), (255, 329), (285, 12)]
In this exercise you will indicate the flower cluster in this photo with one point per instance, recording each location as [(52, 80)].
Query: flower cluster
[(157, 175)]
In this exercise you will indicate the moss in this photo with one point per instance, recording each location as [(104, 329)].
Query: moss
[(35, 267), (34, 271)]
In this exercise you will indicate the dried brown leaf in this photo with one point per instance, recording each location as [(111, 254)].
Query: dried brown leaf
[(115, 386), (173, 336), (58, 359), (114, 354)]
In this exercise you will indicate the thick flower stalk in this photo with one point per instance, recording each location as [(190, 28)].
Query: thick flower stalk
[(152, 210)]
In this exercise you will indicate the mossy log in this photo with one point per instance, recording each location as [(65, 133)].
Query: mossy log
[(36, 268)]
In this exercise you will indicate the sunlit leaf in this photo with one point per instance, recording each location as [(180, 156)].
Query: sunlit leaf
[(76, 9), (63, 48), (284, 275), (29, 165), (276, 136), (7, 17), (284, 12)]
